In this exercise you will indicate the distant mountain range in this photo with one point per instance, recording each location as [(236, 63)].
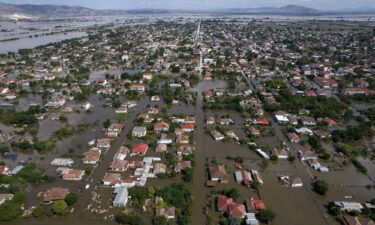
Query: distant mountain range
[(12, 11)]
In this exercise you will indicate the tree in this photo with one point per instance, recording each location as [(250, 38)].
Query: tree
[(59, 207), (160, 220), (139, 194), (234, 220), (39, 211), (334, 209), (188, 174), (320, 187), (9, 210), (130, 219), (266, 216), (107, 123), (71, 199)]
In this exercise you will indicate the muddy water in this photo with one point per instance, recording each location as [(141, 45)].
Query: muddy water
[(292, 206)]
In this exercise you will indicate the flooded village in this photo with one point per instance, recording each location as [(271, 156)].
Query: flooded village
[(191, 120)]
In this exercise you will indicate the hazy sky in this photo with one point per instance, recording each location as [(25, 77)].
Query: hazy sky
[(200, 4)]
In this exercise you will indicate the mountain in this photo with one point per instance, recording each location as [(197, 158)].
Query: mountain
[(56, 10), (288, 9)]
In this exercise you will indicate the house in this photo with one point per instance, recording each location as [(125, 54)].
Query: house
[(256, 176), (307, 155), (280, 153), (217, 173), (137, 87), (122, 197), (210, 120), (103, 143), (349, 206), (293, 137), (161, 126), (305, 131), (119, 165), (223, 203), (139, 131), (251, 219), (121, 153), (139, 149), (261, 121), (253, 205), (159, 168), (308, 121), (281, 119), (121, 110), (226, 121), (92, 156), (168, 213), (62, 162), (184, 150), (147, 76), (155, 98), (243, 177), (72, 174), (181, 166), (55, 193), (187, 127), (5, 197), (161, 148), (351, 220), (111, 179), (296, 182), (329, 122), (4, 170), (236, 210), (253, 131), (182, 139), (216, 135)]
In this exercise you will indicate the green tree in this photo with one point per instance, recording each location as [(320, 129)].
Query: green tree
[(320, 187), (188, 174), (334, 209), (266, 216), (59, 207), (107, 123), (39, 211), (71, 199), (130, 219), (160, 220), (9, 210)]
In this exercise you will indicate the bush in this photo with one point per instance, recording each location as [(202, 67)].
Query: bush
[(320, 187), (361, 168)]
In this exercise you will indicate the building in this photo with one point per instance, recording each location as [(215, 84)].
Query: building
[(5, 197), (168, 213), (351, 220), (55, 193), (62, 162), (119, 165), (218, 173), (236, 210), (253, 205), (223, 203), (121, 154), (72, 174), (139, 149), (121, 198), (139, 132), (111, 179), (217, 136)]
